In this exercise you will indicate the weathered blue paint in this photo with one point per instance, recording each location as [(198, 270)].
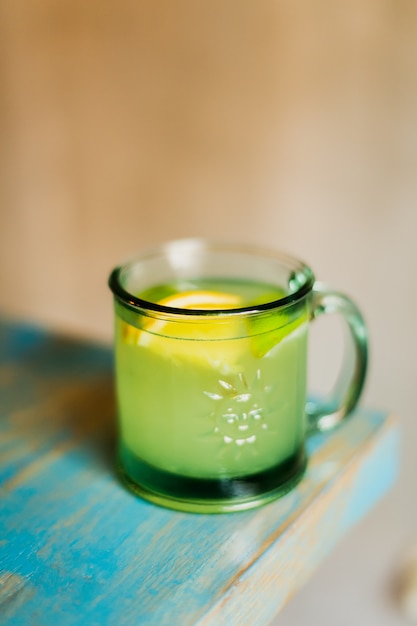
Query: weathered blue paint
[(75, 547), (288, 562)]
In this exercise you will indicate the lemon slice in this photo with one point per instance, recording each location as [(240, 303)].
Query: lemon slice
[(204, 339), (202, 300), (198, 339), (269, 330)]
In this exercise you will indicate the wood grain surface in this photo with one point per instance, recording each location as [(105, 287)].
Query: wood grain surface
[(76, 547)]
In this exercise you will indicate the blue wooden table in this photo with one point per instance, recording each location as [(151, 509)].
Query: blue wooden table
[(77, 548)]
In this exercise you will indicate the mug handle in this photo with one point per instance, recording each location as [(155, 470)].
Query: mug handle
[(330, 412)]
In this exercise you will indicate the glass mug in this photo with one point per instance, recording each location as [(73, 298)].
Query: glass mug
[(211, 373)]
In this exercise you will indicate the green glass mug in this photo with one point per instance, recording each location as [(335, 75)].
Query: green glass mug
[(211, 373)]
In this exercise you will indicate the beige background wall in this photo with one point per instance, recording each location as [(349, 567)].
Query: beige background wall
[(290, 124)]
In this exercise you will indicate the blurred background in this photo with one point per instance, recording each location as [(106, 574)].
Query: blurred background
[(289, 124)]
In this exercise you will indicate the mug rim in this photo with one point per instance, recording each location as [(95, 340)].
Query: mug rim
[(133, 302)]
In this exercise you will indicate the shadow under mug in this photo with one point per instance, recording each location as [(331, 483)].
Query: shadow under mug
[(212, 403)]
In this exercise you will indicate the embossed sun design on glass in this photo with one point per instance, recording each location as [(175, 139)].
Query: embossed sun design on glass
[(239, 415)]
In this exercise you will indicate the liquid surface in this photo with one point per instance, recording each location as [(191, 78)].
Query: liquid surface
[(243, 292), (212, 398)]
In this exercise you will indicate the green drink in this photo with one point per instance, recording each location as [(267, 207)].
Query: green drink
[(208, 407), (211, 359)]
